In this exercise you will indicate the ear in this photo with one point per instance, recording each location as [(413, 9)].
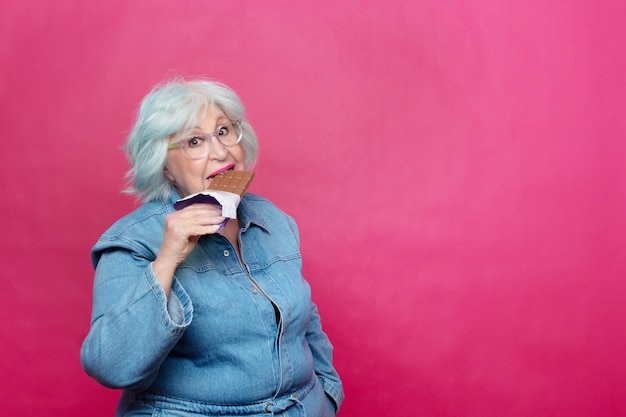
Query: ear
[(169, 175)]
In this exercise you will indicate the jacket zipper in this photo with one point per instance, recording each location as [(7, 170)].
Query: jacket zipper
[(279, 323)]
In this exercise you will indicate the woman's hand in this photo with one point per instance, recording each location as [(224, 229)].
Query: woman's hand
[(183, 229)]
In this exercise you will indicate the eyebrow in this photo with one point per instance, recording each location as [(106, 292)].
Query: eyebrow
[(220, 120)]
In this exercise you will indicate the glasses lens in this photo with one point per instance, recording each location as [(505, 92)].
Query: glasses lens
[(229, 134), (196, 146)]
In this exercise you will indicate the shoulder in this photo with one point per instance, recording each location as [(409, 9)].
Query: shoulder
[(263, 212), (259, 202), (140, 231), (262, 206), (146, 215)]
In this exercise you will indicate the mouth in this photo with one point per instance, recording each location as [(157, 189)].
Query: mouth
[(221, 170)]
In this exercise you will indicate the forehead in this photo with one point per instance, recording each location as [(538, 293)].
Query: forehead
[(207, 120)]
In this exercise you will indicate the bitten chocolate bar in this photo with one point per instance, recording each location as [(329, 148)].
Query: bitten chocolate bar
[(236, 182)]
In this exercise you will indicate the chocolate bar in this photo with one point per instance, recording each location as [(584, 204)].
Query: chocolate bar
[(236, 182)]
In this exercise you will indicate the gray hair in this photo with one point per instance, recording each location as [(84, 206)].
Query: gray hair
[(170, 108)]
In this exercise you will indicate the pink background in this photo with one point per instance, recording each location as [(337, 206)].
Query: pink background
[(456, 168)]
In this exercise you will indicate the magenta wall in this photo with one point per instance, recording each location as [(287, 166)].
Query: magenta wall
[(456, 168)]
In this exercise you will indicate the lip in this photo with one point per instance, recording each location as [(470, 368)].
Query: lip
[(219, 171)]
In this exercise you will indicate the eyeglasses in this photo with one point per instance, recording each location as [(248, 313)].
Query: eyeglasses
[(198, 145)]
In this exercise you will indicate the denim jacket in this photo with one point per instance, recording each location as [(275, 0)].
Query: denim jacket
[(234, 337)]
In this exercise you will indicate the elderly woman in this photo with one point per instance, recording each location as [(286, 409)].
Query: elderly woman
[(193, 315)]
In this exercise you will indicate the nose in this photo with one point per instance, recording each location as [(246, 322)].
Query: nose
[(217, 151)]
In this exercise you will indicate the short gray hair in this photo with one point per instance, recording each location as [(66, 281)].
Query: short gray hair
[(170, 108)]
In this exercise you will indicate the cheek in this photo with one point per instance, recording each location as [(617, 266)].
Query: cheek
[(176, 169), (239, 155)]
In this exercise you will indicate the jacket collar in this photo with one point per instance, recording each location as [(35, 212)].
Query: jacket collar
[(249, 214)]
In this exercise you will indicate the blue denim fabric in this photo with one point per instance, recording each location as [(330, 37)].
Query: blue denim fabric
[(231, 339)]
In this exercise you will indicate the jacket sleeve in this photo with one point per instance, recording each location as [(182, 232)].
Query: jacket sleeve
[(134, 325), (322, 351), (321, 348)]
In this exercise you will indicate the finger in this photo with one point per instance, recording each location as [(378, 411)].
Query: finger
[(198, 216), (202, 215), (201, 230)]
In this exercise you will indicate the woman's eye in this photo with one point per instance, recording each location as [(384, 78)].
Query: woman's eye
[(194, 141), (223, 131)]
